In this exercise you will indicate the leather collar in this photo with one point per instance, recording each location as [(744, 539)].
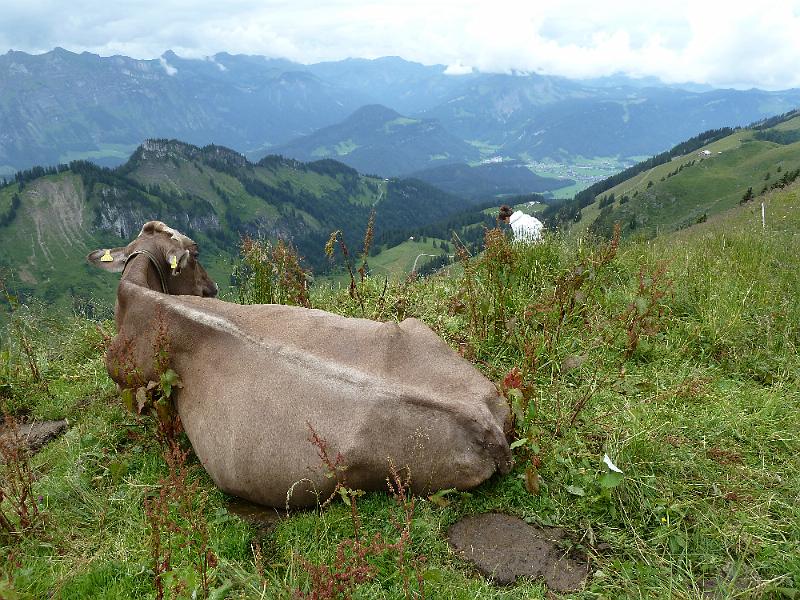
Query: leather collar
[(154, 262)]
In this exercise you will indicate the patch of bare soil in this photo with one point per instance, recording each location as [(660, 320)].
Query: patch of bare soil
[(34, 434), (263, 517), (504, 548), (733, 580)]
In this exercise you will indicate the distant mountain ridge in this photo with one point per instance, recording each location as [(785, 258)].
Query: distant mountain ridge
[(60, 106), (407, 87), (377, 139)]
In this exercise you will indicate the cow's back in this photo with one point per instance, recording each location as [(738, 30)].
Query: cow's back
[(257, 378)]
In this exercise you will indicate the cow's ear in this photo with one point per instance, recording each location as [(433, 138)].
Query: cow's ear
[(110, 259), (177, 260)]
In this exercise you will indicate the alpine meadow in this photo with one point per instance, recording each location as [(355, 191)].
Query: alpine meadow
[(643, 350)]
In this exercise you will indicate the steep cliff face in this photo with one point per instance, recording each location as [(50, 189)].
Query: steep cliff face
[(124, 219), (118, 218)]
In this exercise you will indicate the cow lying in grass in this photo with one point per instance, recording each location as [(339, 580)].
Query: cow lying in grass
[(256, 378)]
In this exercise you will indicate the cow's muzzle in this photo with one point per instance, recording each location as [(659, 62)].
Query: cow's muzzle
[(211, 291)]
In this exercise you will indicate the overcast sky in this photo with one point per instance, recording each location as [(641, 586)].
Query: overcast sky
[(731, 43)]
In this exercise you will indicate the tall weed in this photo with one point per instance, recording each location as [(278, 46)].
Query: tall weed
[(177, 522), (355, 559), (19, 510), (357, 288), (270, 273)]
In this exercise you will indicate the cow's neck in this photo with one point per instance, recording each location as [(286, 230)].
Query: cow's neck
[(141, 271)]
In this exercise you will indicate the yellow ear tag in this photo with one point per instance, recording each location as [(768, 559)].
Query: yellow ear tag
[(173, 262), (107, 257)]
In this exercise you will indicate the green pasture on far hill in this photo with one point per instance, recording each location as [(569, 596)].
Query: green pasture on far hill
[(697, 185)]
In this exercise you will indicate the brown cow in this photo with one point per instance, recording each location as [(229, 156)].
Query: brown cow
[(255, 377)]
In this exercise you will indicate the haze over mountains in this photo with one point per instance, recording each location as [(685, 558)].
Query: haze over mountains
[(60, 106)]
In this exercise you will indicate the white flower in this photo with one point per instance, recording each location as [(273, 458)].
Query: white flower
[(610, 464)]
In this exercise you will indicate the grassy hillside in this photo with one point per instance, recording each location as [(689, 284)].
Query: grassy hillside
[(707, 181), (51, 218), (395, 263), (50, 231), (678, 358)]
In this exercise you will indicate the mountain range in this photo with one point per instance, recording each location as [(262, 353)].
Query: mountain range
[(377, 139), (51, 218), (60, 106)]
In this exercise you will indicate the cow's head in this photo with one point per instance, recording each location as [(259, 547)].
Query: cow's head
[(172, 256)]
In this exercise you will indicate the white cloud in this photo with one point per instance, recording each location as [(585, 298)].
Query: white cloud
[(722, 43), (167, 67), (458, 69), (216, 63)]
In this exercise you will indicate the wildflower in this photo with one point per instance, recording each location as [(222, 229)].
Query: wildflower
[(610, 464)]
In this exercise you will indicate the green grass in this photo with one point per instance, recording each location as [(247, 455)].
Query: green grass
[(345, 147), (398, 122), (530, 209), (706, 185), (395, 262), (54, 257), (701, 416), (399, 260), (6, 194), (314, 182), (484, 147), (569, 191)]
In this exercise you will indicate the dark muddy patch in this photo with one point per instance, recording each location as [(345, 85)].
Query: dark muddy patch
[(32, 435), (504, 548), (733, 580), (263, 517)]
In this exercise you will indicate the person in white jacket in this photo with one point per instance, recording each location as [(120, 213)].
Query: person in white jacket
[(525, 227)]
